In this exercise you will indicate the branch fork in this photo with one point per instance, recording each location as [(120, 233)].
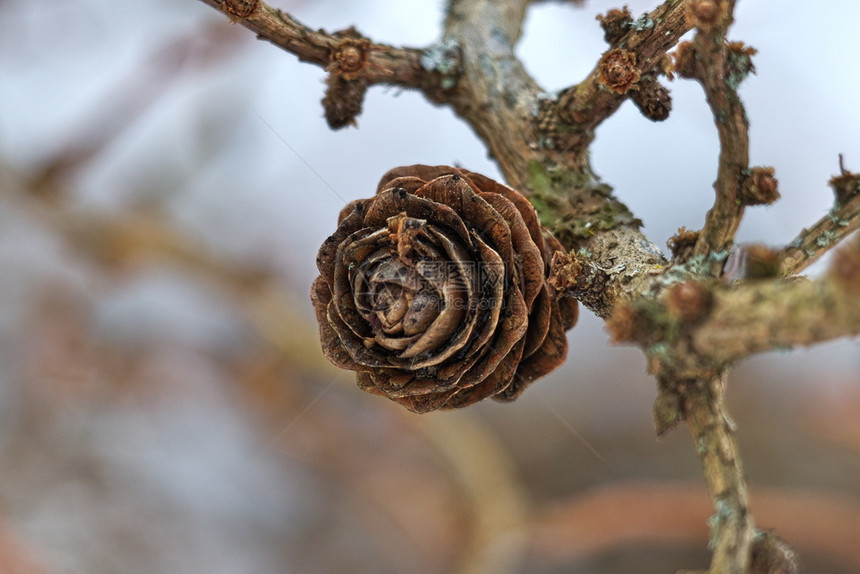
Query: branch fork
[(689, 320)]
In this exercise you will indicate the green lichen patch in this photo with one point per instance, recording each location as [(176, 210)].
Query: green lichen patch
[(738, 64), (644, 22), (718, 521), (573, 205), (697, 266), (826, 239), (443, 58)]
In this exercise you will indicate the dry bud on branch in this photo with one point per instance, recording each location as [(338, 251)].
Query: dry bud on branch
[(615, 24), (760, 262), (618, 72), (343, 100), (344, 95), (239, 9), (706, 15), (434, 291), (684, 58), (682, 243), (350, 56), (770, 555), (689, 301), (846, 185), (739, 63), (626, 324), (653, 100), (760, 187)]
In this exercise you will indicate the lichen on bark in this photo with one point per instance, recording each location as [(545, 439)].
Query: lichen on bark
[(690, 320)]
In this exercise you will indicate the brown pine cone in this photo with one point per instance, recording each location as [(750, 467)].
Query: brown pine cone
[(434, 291)]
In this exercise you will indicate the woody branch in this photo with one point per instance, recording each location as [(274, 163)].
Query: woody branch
[(540, 144)]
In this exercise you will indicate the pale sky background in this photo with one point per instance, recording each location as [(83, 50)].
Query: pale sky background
[(262, 199)]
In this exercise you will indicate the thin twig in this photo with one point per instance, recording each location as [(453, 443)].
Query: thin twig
[(814, 242), (578, 110), (701, 327), (772, 315), (386, 64), (732, 529), (492, 92), (716, 67)]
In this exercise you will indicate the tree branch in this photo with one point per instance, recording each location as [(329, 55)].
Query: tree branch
[(696, 328), (768, 315), (692, 334), (383, 65), (691, 331), (720, 66), (507, 18), (570, 119), (732, 531), (841, 221), (496, 96), (771, 315)]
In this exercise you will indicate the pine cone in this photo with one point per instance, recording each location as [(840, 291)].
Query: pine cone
[(434, 291)]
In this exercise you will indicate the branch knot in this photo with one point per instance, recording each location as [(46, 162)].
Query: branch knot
[(350, 56), (238, 10), (574, 275), (707, 15)]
